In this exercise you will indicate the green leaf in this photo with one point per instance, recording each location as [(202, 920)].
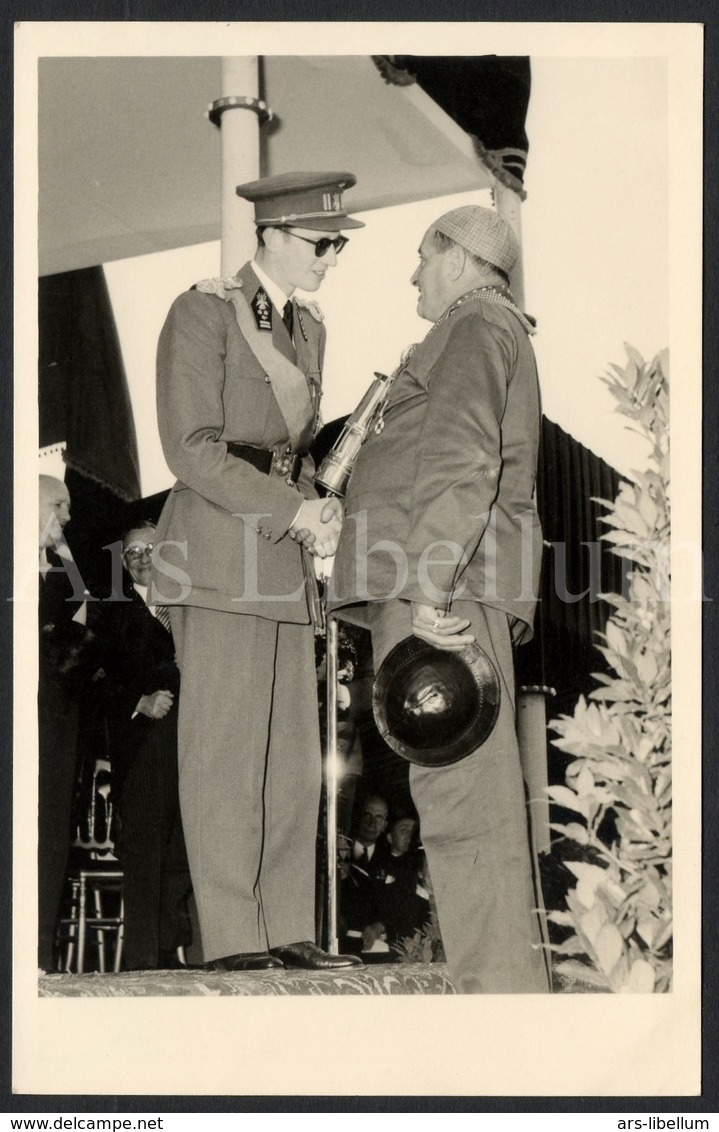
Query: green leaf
[(565, 919), (563, 796), (582, 973), (592, 874), (609, 946), (640, 978), (573, 832), (647, 929)]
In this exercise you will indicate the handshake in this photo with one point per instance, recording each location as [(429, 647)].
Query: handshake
[(317, 526)]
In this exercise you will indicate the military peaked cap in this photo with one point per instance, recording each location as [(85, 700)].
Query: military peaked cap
[(301, 200)]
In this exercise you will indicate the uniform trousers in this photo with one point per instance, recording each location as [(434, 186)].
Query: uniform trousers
[(473, 825), (250, 776)]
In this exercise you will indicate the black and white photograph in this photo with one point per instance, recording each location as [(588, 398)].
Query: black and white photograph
[(369, 598)]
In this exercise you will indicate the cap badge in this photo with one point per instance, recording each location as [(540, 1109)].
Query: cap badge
[(332, 202)]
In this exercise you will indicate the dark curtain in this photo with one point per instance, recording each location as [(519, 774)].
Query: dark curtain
[(486, 95), (577, 567), (84, 400), (84, 397)]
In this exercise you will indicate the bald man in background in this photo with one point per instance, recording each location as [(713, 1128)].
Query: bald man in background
[(61, 626)]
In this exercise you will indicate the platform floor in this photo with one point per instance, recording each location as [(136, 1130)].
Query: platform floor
[(382, 979)]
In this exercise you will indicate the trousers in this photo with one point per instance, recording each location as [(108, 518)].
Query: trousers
[(151, 849), (249, 776), (473, 825)]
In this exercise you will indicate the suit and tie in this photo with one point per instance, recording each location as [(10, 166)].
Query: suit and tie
[(138, 658), (362, 891), (248, 724)]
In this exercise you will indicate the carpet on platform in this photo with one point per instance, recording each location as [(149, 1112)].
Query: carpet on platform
[(378, 979)]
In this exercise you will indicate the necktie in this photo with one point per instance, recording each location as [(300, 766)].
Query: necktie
[(287, 316), (162, 614)]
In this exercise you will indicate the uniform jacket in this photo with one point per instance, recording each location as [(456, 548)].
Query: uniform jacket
[(455, 460), (211, 389)]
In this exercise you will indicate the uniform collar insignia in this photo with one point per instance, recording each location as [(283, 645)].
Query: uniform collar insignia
[(262, 310)]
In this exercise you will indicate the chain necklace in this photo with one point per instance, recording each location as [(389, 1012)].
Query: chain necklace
[(498, 295), (501, 295)]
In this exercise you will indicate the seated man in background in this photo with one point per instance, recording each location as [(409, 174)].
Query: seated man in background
[(409, 908), (398, 910), (401, 837), (141, 690), (362, 886)]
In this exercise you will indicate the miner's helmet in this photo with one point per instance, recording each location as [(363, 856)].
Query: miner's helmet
[(432, 706)]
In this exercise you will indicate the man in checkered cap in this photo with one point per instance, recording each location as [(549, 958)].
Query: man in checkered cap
[(239, 372), (441, 539)]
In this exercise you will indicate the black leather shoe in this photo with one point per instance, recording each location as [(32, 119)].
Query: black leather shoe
[(246, 961), (170, 961), (312, 957)]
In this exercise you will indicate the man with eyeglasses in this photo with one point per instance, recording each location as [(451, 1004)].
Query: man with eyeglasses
[(140, 693), (364, 876), (239, 382)]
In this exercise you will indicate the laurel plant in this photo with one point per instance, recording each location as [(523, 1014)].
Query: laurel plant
[(618, 786)]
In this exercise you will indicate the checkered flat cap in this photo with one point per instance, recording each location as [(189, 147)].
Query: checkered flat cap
[(482, 232)]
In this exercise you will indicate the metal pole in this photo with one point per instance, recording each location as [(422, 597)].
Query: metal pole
[(509, 207), (532, 738), (333, 775), (240, 125)]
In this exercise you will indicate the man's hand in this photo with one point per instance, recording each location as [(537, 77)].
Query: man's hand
[(156, 705), (443, 630), (317, 526), (371, 934)]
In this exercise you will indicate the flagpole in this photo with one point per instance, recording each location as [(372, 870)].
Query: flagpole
[(509, 207), (531, 708)]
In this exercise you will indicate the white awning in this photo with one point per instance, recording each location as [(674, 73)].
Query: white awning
[(130, 163)]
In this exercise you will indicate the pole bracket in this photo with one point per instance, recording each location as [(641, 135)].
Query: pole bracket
[(239, 102)]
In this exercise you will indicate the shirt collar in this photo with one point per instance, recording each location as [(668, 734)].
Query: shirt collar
[(277, 296)]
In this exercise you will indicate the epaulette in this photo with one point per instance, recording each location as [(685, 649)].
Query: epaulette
[(313, 307), (217, 286)]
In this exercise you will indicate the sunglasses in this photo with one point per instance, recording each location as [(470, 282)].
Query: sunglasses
[(323, 245)]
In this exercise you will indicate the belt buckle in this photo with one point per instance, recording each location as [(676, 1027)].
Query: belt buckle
[(283, 464)]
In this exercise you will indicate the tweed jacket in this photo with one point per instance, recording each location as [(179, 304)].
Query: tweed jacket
[(225, 523), (440, 504)]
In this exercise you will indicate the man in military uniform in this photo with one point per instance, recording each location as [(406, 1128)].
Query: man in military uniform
[(239, 371), (441, 539)]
